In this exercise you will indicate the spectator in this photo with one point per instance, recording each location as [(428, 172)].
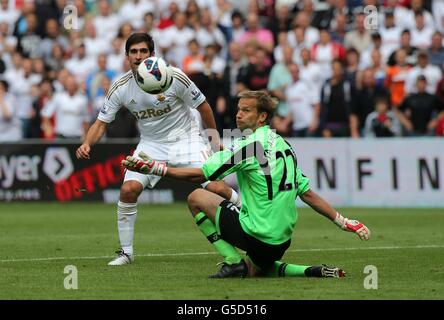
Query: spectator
[(175, 40), (419, 6), (81, 64), (282, 42), (10, 126), (106, 23), (237, 26), (193, 14), (263, 37), (325, 51), (296, 39), (94, 79), (8, 14), (8, 42), (382, 122), (310, 73), (125, 30), (45, 94), (209, 33), (116, 56), (360, 38), (364, 101), (339, 29), (303, 106), (212, 62), (167, 16), (336, 101), (438, 14), (29, 42), (378, 68), (396, 77), (390, 33), (255, 76), (366, 56), (421, 34), (410, 51), (399, 12), (280, 78), (214, 67), (133, 11), (352, 65), (194, 62), (419, 112), (97, 103), (21, 82), (311, 34), (235, 63), (432, 73), (436, 51), (20, 27), (71, 113), (56, 61), (149, 27), (281, 22), (52, 36), (223, 18), (94, 45)]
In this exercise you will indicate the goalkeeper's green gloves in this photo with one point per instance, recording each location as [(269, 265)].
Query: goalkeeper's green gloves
[(352, 226), (145, 165)]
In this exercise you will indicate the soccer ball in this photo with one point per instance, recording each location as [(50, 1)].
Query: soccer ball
[(154, 75)]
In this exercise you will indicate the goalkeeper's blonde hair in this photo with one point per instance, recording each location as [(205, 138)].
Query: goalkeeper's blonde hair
[(264, 102)]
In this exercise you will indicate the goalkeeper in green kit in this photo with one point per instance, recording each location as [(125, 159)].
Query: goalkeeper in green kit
[(269, 181)]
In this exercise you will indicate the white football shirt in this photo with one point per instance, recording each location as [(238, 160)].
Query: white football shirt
[(165, 117)]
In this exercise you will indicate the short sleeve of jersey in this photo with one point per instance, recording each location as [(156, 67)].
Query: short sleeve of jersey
[(110, 107), (303, 182), (187, 90), (223, 163)]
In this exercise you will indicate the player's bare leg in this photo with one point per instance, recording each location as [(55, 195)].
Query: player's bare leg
[(126, 218), (204, 207)]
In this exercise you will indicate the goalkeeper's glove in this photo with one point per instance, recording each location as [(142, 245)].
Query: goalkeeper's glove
[(145, 165), (352, 226)]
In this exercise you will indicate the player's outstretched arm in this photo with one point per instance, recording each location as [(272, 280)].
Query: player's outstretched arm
[(95, 132), (146, 165), (323, 207)]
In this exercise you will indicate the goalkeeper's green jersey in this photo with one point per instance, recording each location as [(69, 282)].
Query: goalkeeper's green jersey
[(269, 182)]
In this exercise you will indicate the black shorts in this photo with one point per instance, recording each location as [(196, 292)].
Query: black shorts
[(261, 254)]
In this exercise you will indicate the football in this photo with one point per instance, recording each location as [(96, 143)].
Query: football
[(154, 75)]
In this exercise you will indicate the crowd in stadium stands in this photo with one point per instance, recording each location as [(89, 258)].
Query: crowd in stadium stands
[(338, 69)]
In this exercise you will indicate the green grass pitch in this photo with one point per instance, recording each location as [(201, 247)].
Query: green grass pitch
[(173, 259)]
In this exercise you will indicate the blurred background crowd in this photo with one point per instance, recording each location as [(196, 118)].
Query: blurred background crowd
[(338, 68)]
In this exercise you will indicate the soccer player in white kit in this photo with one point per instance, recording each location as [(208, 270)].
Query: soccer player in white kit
[(168, 132)]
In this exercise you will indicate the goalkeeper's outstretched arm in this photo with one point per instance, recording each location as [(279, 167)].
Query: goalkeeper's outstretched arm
[(323, 207)]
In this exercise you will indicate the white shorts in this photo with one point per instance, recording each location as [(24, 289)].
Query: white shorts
[(191, 154)]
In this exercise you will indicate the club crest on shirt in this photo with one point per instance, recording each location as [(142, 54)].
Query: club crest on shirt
[(161, 98)]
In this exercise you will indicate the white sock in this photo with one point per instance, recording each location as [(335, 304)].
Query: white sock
[(235, 199), (126, 218)]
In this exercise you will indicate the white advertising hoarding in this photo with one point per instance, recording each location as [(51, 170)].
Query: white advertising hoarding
[(406, 172)]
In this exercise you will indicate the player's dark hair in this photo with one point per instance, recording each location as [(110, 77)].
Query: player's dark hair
[(139, 37), (264, 102)]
